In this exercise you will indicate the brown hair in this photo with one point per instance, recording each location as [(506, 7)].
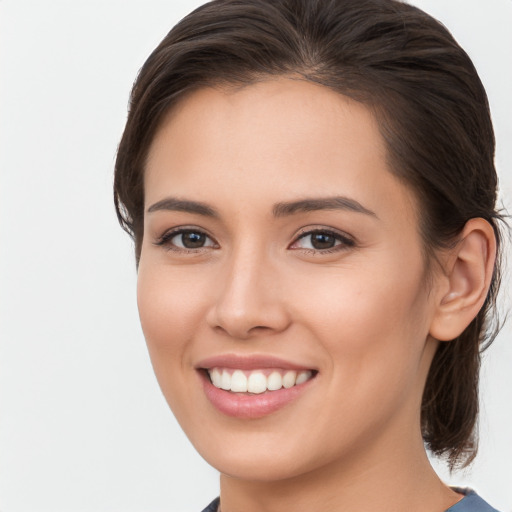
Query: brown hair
[(432, 111)]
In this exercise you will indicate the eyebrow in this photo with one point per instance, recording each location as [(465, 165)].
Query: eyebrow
[(180, 205), (282, 209), (323, 203)]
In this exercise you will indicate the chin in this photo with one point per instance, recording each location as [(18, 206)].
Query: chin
[(261, 468)]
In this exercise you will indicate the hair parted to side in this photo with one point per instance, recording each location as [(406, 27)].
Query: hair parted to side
[(432, 111)]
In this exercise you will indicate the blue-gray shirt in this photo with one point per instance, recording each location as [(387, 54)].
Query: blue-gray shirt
[(470, 503)]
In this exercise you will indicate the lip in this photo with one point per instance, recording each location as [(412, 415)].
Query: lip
[(251, 362), (248, 406)]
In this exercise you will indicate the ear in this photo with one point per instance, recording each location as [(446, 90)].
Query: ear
[(468, 272)]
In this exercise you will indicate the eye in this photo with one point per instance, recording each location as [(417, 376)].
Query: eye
[(322, 240), (186, 239)]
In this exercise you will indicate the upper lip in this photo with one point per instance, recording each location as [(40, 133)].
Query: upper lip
[(249, 362)]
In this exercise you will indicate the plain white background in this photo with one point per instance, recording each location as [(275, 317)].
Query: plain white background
[(83, 425)]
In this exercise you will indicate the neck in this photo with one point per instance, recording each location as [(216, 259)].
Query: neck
[(403, 480)]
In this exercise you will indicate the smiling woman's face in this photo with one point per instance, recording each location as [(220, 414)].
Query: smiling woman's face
[(280, 253)]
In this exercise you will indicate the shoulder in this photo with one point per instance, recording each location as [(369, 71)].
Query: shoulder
[(213, 506), (471, 503)]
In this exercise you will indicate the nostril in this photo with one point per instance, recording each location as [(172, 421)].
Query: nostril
[(259, 328), (241, 333)]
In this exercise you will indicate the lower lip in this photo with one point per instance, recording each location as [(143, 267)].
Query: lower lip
[(246, 406)]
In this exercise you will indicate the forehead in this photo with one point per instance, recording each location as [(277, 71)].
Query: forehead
[(279, 139)]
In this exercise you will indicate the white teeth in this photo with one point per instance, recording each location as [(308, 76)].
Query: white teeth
[(216, 377), (239, 381), (303, 377), (274, 381), (257, 383), (225, 382), (289, 379)]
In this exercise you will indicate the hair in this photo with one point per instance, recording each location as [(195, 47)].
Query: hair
[(432, 111)]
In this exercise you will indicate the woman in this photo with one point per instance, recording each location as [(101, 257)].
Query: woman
[(311, 190)]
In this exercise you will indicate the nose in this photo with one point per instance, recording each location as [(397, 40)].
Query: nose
[(249, 300)]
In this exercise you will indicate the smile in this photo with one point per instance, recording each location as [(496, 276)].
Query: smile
[(248, 388), (257, 381)]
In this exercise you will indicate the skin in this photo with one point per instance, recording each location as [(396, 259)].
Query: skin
[(359, 313)]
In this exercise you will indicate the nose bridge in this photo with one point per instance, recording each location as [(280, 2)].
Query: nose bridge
[(248, 299)]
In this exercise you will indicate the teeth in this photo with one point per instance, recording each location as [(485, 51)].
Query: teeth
[(225, 382), (303, 377), (256, 381), (289, 379), (274, 381), (238, 382), (216, 377)]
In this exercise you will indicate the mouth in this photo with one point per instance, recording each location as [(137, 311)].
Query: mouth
[(253, 387), (257, 381)]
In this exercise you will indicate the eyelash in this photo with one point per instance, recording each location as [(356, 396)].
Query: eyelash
[(345, 242), (165, 240)]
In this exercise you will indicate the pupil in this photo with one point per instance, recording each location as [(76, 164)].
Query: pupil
[(322, 241), (193, 240)]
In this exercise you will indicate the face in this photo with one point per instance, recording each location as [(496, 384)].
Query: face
[(281, 284)]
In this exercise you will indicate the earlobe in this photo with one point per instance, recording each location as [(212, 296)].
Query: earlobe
[(469, 268)]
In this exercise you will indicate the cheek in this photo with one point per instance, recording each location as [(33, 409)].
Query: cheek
[(373, 327), (369, 321), (169, 308), (366, 302)]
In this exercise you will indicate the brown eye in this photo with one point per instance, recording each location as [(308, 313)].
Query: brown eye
[(186, 239), (190, 240), (322, 241)]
